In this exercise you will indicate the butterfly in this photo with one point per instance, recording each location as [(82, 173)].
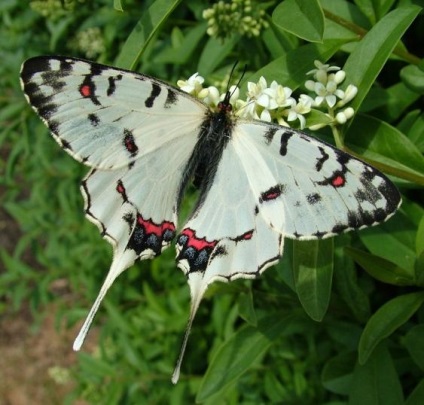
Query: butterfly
[(146, 141)]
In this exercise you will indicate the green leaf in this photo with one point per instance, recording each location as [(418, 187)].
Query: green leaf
[(386, 148), (374, 10), (313, 274), (419, 241), (412, 125), (381, 269), (337, 373), (347, 284), (377, 381), (413, 77), (239, 352), (417, 395), (214, 52), (386, 320), (247, 308), (182, 52), (371, 53), (414, 342), (143, 32), (393, 240), (303, 18)]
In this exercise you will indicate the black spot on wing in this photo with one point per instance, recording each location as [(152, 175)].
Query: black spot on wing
[(285, 137), (65, 144), (129, 143), (112, 84), (321, 160), (269, 134), (94, 119), (313, 198), (272, 193), (171, 98), (156, 89)]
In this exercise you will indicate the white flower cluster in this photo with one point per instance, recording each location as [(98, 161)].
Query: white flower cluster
[(275, 103), (328, 95)]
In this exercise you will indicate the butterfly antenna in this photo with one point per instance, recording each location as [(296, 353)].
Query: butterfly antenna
[(228, 94)]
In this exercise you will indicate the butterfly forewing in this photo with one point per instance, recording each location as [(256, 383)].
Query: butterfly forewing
[(311, 189), (107, 117)]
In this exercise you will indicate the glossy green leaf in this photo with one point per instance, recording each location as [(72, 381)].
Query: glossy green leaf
[(398, 243), (414, 342), (413, 77), (417, 395), (376, 381), (374, 10), (214, 52), (313, 275), (386, 147), (347, 284), (386, 320), (303, 18), (143, 32), (371, 53), (183, 51), (337, 373), (381, 269), (239, 352)]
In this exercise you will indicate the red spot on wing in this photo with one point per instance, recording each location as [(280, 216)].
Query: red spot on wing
[(120, 188), (85, 90), (248, 235), (156, 229), (195, 242), (338, 181)]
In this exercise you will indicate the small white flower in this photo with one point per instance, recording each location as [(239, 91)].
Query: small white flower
[(277, 97), (297, 111), (337, 77), (210, 96), (350, 92), (193, 85), (254, 90), (322, 67), (329, 93)]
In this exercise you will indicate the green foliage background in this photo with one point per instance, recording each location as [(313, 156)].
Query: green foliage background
[(338, 321)]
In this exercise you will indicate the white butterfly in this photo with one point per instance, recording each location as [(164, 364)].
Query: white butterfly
[(146, 140)]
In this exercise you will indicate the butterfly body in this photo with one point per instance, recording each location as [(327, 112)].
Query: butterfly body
[(145, 141)]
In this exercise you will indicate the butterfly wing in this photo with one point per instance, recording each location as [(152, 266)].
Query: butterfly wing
[(306, 188), (274, 182), (105, 117), (136, 132)]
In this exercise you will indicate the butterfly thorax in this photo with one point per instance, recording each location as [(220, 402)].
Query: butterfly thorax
[(215, 133)]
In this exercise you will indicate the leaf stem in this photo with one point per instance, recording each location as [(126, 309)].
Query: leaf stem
[(361, 32)]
